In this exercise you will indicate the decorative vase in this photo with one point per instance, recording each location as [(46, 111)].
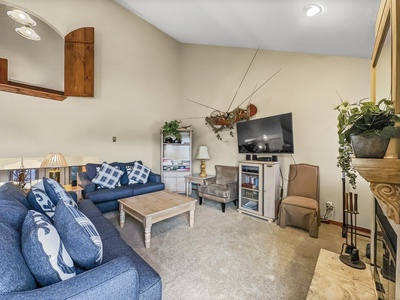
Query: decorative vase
[(369, 147)]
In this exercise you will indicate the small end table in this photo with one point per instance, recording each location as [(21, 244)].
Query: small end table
[(77, 189), (195, 178)]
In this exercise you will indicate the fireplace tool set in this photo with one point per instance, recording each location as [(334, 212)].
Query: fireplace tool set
[(350, 256)]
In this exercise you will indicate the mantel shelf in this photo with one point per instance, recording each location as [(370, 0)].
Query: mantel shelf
[(30, 90), (384, 178)]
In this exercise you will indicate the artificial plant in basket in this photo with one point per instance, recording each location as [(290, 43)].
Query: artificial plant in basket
[(363, 118)]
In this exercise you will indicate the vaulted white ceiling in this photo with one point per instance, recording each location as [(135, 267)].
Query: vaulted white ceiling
[(345, 27)]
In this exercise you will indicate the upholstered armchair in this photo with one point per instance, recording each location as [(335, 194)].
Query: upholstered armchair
[(301, 206), (222, 188)]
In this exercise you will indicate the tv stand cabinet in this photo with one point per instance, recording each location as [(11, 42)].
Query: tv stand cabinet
[(259, 185)]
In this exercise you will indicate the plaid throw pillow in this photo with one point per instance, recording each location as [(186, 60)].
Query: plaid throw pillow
[(108, 176), (138, 173)]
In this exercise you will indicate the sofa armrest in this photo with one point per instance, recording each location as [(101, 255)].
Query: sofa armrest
[(86, 184), (117, 279), (154, 177), (211, 180)]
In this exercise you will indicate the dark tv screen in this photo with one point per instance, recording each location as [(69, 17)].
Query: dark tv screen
[(266, 135)]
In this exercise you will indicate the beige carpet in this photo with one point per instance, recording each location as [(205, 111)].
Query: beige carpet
[(230, 255)]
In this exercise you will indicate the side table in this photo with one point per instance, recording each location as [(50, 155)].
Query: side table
[(77, 189), (195, 178)]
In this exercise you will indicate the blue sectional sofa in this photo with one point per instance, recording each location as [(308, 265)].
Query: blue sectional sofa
[(122, 274), (106, 199)]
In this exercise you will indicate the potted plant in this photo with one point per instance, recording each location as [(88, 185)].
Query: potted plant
[(171, 129), (364, 129)]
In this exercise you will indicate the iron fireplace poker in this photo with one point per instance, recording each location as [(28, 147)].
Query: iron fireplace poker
[(351, 259)]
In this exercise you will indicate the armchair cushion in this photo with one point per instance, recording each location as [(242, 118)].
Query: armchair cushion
[(211, 180), (226, 174), (218, 190), (301, 202)]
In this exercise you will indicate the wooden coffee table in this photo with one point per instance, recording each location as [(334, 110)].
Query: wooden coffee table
[(154, 207)]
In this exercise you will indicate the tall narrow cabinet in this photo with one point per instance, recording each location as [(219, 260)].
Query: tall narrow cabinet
[(176, 161), (259, 186)]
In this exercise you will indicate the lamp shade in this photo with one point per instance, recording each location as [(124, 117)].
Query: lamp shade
[(21, 17), (27, 33), (202, 153), (54, 160)]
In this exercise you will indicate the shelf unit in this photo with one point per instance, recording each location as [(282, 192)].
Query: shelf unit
[(176, 161), (259, 189)]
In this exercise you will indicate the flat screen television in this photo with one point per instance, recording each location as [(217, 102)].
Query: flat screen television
[(272, 134)]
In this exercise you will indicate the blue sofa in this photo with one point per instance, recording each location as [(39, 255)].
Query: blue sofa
[(123, 274), (107, 199)]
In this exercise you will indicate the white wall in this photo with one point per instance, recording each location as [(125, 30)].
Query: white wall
[(143, 78), (137, 88), (307, 86)]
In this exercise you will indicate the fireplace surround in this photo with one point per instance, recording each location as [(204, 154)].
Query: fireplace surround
[(384, 256)]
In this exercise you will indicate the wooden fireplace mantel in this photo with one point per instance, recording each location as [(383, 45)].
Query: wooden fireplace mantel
[(384, 178)]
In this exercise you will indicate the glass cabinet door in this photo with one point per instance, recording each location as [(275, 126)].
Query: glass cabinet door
[(250, 188)]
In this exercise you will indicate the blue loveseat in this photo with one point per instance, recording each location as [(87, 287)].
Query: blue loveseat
[(122, 274), (106, 199)]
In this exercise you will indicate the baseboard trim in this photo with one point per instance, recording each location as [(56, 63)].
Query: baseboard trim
[(361, 229)]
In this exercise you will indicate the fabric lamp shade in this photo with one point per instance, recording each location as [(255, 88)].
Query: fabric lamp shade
[(202, 153), (54, 161)]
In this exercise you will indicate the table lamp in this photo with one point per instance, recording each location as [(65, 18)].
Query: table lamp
[(54, 161), (202, 153)]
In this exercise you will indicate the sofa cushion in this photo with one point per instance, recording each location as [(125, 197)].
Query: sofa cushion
[(12, 212), (124, 179), (11, 191), (108, 176), (39, 200), (43, 250), (55, 191), (16, 275), (149, 187), (138, 173), (110, 194), (78, 234)]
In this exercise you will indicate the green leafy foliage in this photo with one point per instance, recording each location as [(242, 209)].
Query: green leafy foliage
[(364, 118), (171, 128)]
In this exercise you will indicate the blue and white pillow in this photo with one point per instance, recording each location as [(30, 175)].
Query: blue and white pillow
[(138, 173), (43, 250), (119, 181), (108, 176), (79, 235), (39, 200), (56, 191)]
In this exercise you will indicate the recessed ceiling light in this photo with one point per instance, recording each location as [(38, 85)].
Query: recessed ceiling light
[(313, 9), (21, 17), (28, 33)]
